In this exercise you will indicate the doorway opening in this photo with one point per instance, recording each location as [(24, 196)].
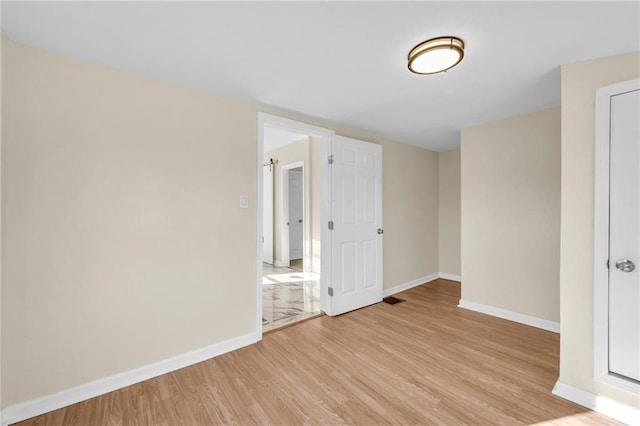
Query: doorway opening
[(292, 209), (341, 223)]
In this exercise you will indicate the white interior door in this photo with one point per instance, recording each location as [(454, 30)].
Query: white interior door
[(296, 212), (624, 236), (356, 212), (267, 213)]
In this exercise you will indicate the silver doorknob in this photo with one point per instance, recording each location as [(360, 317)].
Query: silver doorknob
[(625, 265), (380, 231)]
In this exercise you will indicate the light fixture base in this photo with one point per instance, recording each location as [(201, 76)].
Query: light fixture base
[(436, 55)]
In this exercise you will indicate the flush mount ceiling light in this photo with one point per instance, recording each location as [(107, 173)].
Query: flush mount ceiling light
[(436, 55)]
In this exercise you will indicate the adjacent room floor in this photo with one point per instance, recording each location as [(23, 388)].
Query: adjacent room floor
[(288, 295), (423, 361)]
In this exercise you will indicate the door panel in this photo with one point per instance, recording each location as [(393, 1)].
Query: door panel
[(624, 234), (369, 258), (348, 260), (348, 200), (370, 184), (356, 209)]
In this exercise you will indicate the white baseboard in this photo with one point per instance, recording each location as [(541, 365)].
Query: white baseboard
[(601, 404), (408, 285), (511, 316), (449, 277), (38, 406)]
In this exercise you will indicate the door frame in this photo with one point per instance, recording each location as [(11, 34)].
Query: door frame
[(325, 135), (286, 260), (264, 211), (601, 236)]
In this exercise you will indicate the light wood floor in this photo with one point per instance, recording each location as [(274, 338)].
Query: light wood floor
[(423, 361)]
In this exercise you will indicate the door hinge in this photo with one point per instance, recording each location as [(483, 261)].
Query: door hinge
[(330, 224), (331, 159), (330, 291), (607, 263)]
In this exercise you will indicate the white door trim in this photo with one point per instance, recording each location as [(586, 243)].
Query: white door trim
[(325, 234), (286, 258), (601, 404), (267, 211), (601, 236), (325, 135)]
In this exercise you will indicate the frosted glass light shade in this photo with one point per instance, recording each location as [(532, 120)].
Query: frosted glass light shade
[(436, 55)]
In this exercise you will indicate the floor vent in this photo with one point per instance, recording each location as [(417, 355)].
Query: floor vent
[(392, 300)]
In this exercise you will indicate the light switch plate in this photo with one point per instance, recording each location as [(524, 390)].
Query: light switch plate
[(244, 201)]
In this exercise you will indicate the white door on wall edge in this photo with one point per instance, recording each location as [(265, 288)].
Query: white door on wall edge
[(356, 213), (624, 235)]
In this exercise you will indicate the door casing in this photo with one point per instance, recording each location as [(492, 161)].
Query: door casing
[(267, 212), (601, 237), (325, 136)]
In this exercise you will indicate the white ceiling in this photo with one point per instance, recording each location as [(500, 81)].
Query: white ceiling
[(344, 62)]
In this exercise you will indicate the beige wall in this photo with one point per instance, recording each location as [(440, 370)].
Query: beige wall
[(511, 214), (121, 218), (121, 198), (449, 226), (579, 82), (410, 213)]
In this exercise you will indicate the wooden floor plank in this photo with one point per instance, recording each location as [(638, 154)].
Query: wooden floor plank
[(423, 361)]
